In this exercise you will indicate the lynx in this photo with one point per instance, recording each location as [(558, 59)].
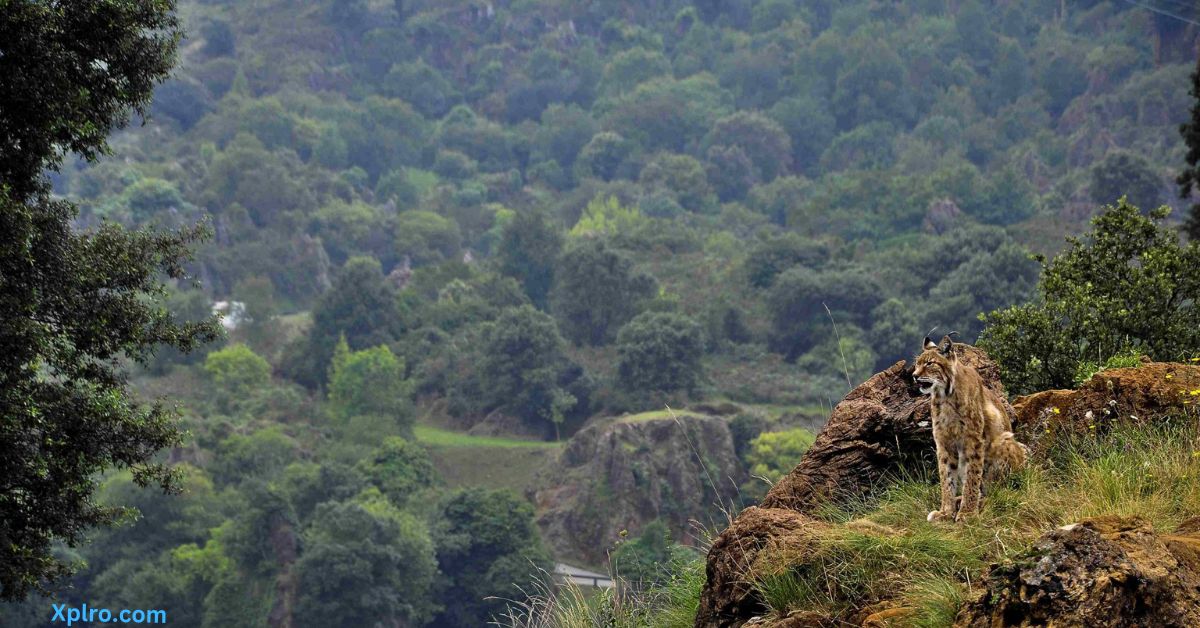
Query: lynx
[(969, 430)]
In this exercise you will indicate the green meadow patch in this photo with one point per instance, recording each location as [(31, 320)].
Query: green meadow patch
[(464, 460), (438, 437)]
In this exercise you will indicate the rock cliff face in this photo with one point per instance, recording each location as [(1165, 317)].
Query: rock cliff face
[(1126, 395), (1108, 571), (624, 473)]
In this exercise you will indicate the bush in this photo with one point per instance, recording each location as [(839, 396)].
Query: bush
[(366, 563), (488, 548), (768, 258), (400, 469), (772, 454), (369, 382), (237, 369), (1124, 174), (522, 367), (798, 302), (660, 352), (1127, 286), (597, 290)]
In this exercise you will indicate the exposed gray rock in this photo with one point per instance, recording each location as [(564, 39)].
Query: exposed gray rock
[(623, 473)]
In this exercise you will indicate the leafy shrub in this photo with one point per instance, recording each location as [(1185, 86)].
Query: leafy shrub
[(237, 368), (660, 351), (1127, 286), (597, 290), (400, 469), (773, 454), (369, 382), (523, 369)]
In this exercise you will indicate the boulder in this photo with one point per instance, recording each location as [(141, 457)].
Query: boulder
[(1109, 571), (620, 474), (735, 556), (1142, 394), (941, 216), (880, 427)]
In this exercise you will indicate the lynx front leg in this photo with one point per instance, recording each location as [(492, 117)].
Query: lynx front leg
[(973, 483), (948, 474)]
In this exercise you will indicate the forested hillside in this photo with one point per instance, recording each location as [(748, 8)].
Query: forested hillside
[(432, 215), (744, 163)]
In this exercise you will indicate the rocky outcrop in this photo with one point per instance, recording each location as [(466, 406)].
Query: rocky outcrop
[(880, 427), (734, 556), (1125, 395), (623, 473), (942, 216), (1108, 571)]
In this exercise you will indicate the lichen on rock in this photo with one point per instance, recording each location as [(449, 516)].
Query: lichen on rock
[(1108, 571)]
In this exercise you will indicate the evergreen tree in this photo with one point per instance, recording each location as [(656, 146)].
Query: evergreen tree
[(660, 352), (1127, 286), (523, 369), (487, 546)]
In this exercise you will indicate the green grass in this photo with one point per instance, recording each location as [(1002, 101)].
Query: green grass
[(295, 324), (438, 437), (657, 414), (885, 550), (464, 460), (512, 468)]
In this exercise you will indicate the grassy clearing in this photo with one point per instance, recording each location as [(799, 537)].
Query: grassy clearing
[(657, 414), (885, 550), (512, 468), (464, 460), (438, 437)]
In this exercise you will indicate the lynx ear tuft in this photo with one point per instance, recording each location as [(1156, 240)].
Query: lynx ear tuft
[(929, 343)]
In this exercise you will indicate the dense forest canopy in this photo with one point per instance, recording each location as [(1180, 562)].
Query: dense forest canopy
[(434, 214)]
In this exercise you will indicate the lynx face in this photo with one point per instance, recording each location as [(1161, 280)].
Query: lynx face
[(934, 371)]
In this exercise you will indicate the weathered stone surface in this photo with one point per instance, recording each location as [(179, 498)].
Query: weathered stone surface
[(878, 428), (624, 473), (728, 598), (942, 216), (1129, 395), (1109, 571)]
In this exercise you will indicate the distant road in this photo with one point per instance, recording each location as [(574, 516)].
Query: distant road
[(564, 573)]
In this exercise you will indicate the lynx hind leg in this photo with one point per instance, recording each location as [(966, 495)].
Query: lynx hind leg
[(1005, 456)]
